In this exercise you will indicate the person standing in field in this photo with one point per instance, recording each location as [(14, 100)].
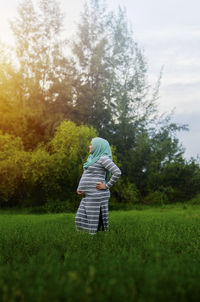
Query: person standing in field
[(92, 214)]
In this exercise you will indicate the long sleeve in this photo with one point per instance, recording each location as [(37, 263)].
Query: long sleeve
[(109, 165)]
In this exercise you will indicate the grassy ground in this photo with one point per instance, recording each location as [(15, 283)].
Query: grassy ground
[(149, 254)]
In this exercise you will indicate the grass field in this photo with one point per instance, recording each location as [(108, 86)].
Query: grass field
[(150, 254)]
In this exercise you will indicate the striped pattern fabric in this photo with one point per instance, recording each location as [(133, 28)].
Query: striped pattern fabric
[(87, 216)]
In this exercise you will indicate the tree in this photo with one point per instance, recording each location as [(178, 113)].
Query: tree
[(112, 92), (103, 83), (135, 107), (39, 51), (150, 153), (91, 53)]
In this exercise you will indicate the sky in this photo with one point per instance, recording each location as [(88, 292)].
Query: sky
[(169, 34)]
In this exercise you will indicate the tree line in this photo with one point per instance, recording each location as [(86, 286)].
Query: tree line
[(56, 94)]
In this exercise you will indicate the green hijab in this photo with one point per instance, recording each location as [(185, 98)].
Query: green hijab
[(100, 147)]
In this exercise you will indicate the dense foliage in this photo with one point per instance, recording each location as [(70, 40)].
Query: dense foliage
[(48, 173), (55, 95)]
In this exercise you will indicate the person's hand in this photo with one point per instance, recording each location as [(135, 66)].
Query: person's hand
[(79, 192), (101, 185)]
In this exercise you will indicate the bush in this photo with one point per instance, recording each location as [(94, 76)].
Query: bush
[(195, 200), (117, 206), (125, 192), (55, 207), (180, 180), (60, 206), (156, 198), (13, 162), (52, 171)]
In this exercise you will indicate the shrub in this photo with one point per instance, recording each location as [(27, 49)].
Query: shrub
[(60, 206), (195, 200), (180, 180), (13, 162), (156, 198), (126, 192), (51, 171)]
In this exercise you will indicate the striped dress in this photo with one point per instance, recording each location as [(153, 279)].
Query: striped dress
[(87, 216)]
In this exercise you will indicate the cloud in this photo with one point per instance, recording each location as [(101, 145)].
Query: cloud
[(178, 51)]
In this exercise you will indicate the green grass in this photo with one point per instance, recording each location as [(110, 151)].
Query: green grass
[(149, 254)]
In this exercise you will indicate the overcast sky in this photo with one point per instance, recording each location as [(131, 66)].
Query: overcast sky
[(169, 33)]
